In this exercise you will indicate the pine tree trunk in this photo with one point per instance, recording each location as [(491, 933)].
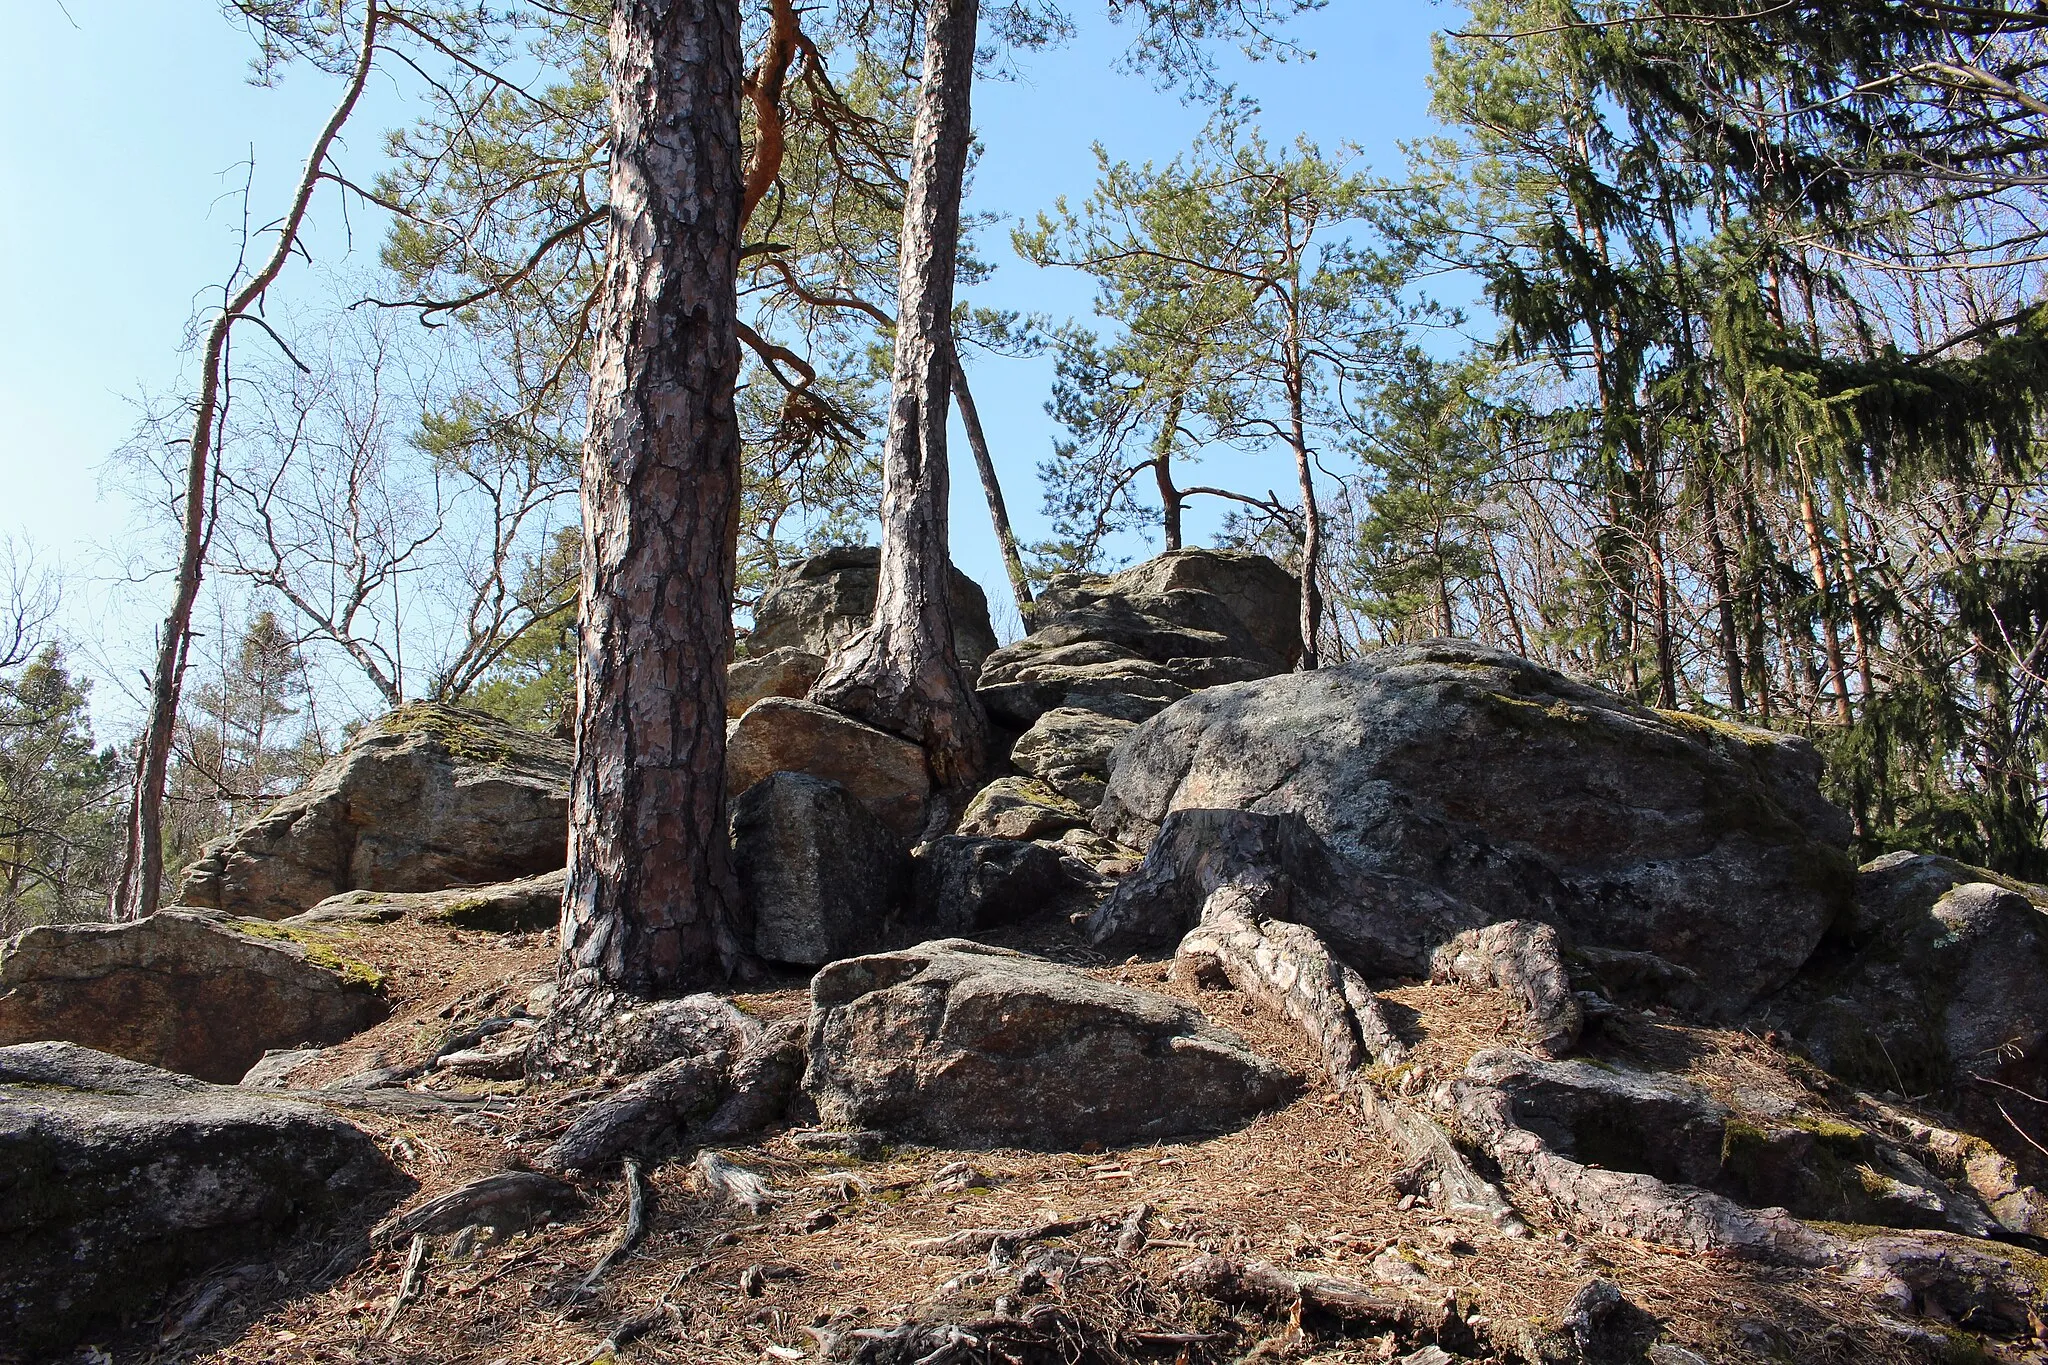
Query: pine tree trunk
[(1170, 499), (902, 673), (652, 904)]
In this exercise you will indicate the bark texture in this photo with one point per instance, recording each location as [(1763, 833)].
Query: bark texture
[(652, 904), (902, 673)]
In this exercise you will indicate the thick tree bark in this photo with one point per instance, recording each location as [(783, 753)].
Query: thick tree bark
[(140, 882), (992, 488), (902, 674), (652, 904)]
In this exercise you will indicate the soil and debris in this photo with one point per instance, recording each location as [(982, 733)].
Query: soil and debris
[(868, 1251)]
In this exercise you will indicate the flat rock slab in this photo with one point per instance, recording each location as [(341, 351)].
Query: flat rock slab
[(425, 798), (780, 734), (199, 994), (526, 905), (961, 1044), (1457, 785), (117, 1180)]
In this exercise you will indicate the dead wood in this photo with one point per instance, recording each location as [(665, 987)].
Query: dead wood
[(1130, 1238), (409, 1283), (508, 1201), (723, 1180), (977, 1241), (1260, 1285)]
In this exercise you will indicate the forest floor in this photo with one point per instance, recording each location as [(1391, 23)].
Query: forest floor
[(849, 1244)]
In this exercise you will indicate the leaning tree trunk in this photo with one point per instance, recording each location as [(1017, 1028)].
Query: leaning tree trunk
[(992, 489), (902, 673), (652, 903)]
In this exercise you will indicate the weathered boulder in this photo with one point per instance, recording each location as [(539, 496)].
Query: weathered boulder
[(1020, 808), (818, 870), (1573, 1126), (528, 905), (204, 995), (783, 672), (1125, 644), (425, 798), (1068, 742), (781, 734), (961, 885), (1456, 785), (958, 1043), (822, 602), (117, 1180), (1938, 975)]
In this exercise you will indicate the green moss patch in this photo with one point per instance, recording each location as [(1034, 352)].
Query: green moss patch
[(318, 950)]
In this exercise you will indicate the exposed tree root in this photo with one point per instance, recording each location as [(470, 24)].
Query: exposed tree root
[(410, 1282), (1625, 1203), (506, 1202), (1287, 968), (634, 1228), (763, 1082), (1525, 959), (647, 1118)]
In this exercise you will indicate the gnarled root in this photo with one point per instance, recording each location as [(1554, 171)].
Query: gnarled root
[(1524, 958), (1288, 969)]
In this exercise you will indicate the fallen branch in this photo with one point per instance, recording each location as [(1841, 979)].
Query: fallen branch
[(977, 1241), (410, 1283), (1359, 1306)]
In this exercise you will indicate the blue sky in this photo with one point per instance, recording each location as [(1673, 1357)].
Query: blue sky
[(130, 126)]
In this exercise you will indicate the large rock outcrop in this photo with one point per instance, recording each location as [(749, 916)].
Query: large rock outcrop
[(819, 872), (426, 798), (1126, 644), (1455, 785), (1938, 975), (819, 605), (199, 994), (962, 1044), (117, 1179)]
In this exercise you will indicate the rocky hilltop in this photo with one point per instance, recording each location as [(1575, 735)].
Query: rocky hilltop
[(1431, 1006)]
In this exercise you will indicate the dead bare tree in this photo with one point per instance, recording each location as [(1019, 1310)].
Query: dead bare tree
[(139, 884)]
